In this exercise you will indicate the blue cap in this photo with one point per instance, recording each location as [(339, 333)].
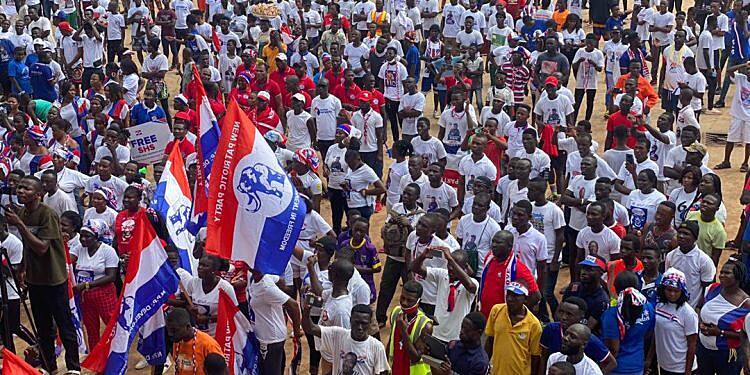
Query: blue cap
[(517, 288)]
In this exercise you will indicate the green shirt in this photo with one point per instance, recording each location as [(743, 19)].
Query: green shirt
[(41, 109), (712, 234), (48, 269)]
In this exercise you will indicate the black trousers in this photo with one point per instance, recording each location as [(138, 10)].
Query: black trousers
[(590, 93), (338, 208), (272, 359), (49, 306), (391, 112), (392, 272), (114, 48), (314, 353)]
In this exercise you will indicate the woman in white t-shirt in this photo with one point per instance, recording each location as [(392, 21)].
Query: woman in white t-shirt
[(359, 194), (305, 165), (643, 201), (96, 265), (401, 150), (676, 331), (683, 196), (204, 294), (102, 200)]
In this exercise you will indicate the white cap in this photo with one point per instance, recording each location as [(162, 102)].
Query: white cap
[(264, 95), (299, 97), (39, 41)]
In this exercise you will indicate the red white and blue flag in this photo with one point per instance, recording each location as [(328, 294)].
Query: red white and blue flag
[(255, 211), (206, 144), (235, 335), (75, 307), (172, 199), (149, 281)]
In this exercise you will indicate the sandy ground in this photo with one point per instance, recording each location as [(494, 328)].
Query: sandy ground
[(732, 182)]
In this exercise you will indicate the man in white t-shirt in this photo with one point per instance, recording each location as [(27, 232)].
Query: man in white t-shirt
[(392, 75), (596, 238), (353, 350), (572, 350), (474, 232), (739, 130), (410, 109), (474, 165), (325, 109), (370, 124)]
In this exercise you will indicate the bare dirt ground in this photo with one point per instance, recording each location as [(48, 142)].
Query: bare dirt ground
[(732, 183)]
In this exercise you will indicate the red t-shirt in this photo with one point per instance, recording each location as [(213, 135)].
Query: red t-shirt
[(493, 284), (279, 78), (186, 148), (618, 119), (349, 95), (495, 154), (451, 81), (266, 120), (243, 68), (307, 84), (242, 98), (334, 79), (378, 100), (269, 86), (124, 226), (344, 21)]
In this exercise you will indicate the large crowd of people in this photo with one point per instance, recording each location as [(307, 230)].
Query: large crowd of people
[(512, 241)]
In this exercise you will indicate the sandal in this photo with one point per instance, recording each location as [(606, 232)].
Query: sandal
[(743, 168), (723, 165)]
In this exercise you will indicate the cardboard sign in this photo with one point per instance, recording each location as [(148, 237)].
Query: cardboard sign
[(148, 141)]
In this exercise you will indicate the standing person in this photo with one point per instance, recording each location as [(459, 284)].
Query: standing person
[(46, 274), (591, 290), (370, 124), (672, 72), (96, 267), (335, 170), (587, 63), (324, 108), (676, 333), (739, 130), (475, 232), (625, 325), (724, 308), (270, 303), (697, 266), (513, 334), (191, 346), (357, 182), (580, 192), (393, 74), (115, 32), (712, 237)]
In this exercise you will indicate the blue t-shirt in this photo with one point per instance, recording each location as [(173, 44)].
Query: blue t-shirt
[(19, 71), (631, 356), (6, 53), (412, 60), (141, 115), (40, 75), (552, 340), (612, 22), (32, 59), (596, 302)]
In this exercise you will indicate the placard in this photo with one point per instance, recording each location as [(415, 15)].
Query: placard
[(148, 141)]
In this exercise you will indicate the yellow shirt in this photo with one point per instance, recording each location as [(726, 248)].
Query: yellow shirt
[(187, 361), (712, 234), (514, 344), (270, 54)]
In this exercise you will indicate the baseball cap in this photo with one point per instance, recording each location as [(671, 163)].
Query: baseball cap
[(281, 57), (299, 97), (517, 288), (365, 96), (182, 115), (551, 81), (538, 33), (593, 261), (39, 41), (696, 147), (61, 15), (264, 95), (326, 243), (65, 26), (181, 98)]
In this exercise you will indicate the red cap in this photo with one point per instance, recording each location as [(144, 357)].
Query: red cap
[(65, 26), (551, 81), (365, 96), (182, 115)]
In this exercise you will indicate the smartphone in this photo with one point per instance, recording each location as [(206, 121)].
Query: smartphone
[(629, 158), (436, 253), (313, 300)]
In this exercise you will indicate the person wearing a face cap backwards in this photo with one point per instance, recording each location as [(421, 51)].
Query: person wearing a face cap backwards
[(513, 334), (263, 116)]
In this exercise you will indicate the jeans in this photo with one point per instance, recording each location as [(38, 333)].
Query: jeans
[(371, 159), (710, 88), (717, 362), (392, 272), (365, 211), (114, 48), (49, 306), (168, 46), (391, 111), (338, 207), (590, 93)]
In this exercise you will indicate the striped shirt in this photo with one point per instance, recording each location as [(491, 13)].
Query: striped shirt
[(517, 78)]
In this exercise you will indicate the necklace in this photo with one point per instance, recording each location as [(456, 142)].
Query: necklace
[(454, 114), (179, 367), (351, 244)]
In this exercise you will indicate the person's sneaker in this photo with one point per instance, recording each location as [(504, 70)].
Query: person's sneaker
[(713, 111), (719, 105), (142, 364)]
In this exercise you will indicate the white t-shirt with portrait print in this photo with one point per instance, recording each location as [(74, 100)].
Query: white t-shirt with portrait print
[(393, 75), (363, 357), (429, 288), (605, 243), (431, 149), (586, 77), (581, 188), (337, 166), (553, 111), (547, 219), (14, 246), (643, 207), (477, 236), (208, 302), (470, 169), (443, 196)]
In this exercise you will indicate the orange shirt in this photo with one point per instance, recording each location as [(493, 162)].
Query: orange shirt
[(645, 91), (559, 18), (188, 362), (615, 267)]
